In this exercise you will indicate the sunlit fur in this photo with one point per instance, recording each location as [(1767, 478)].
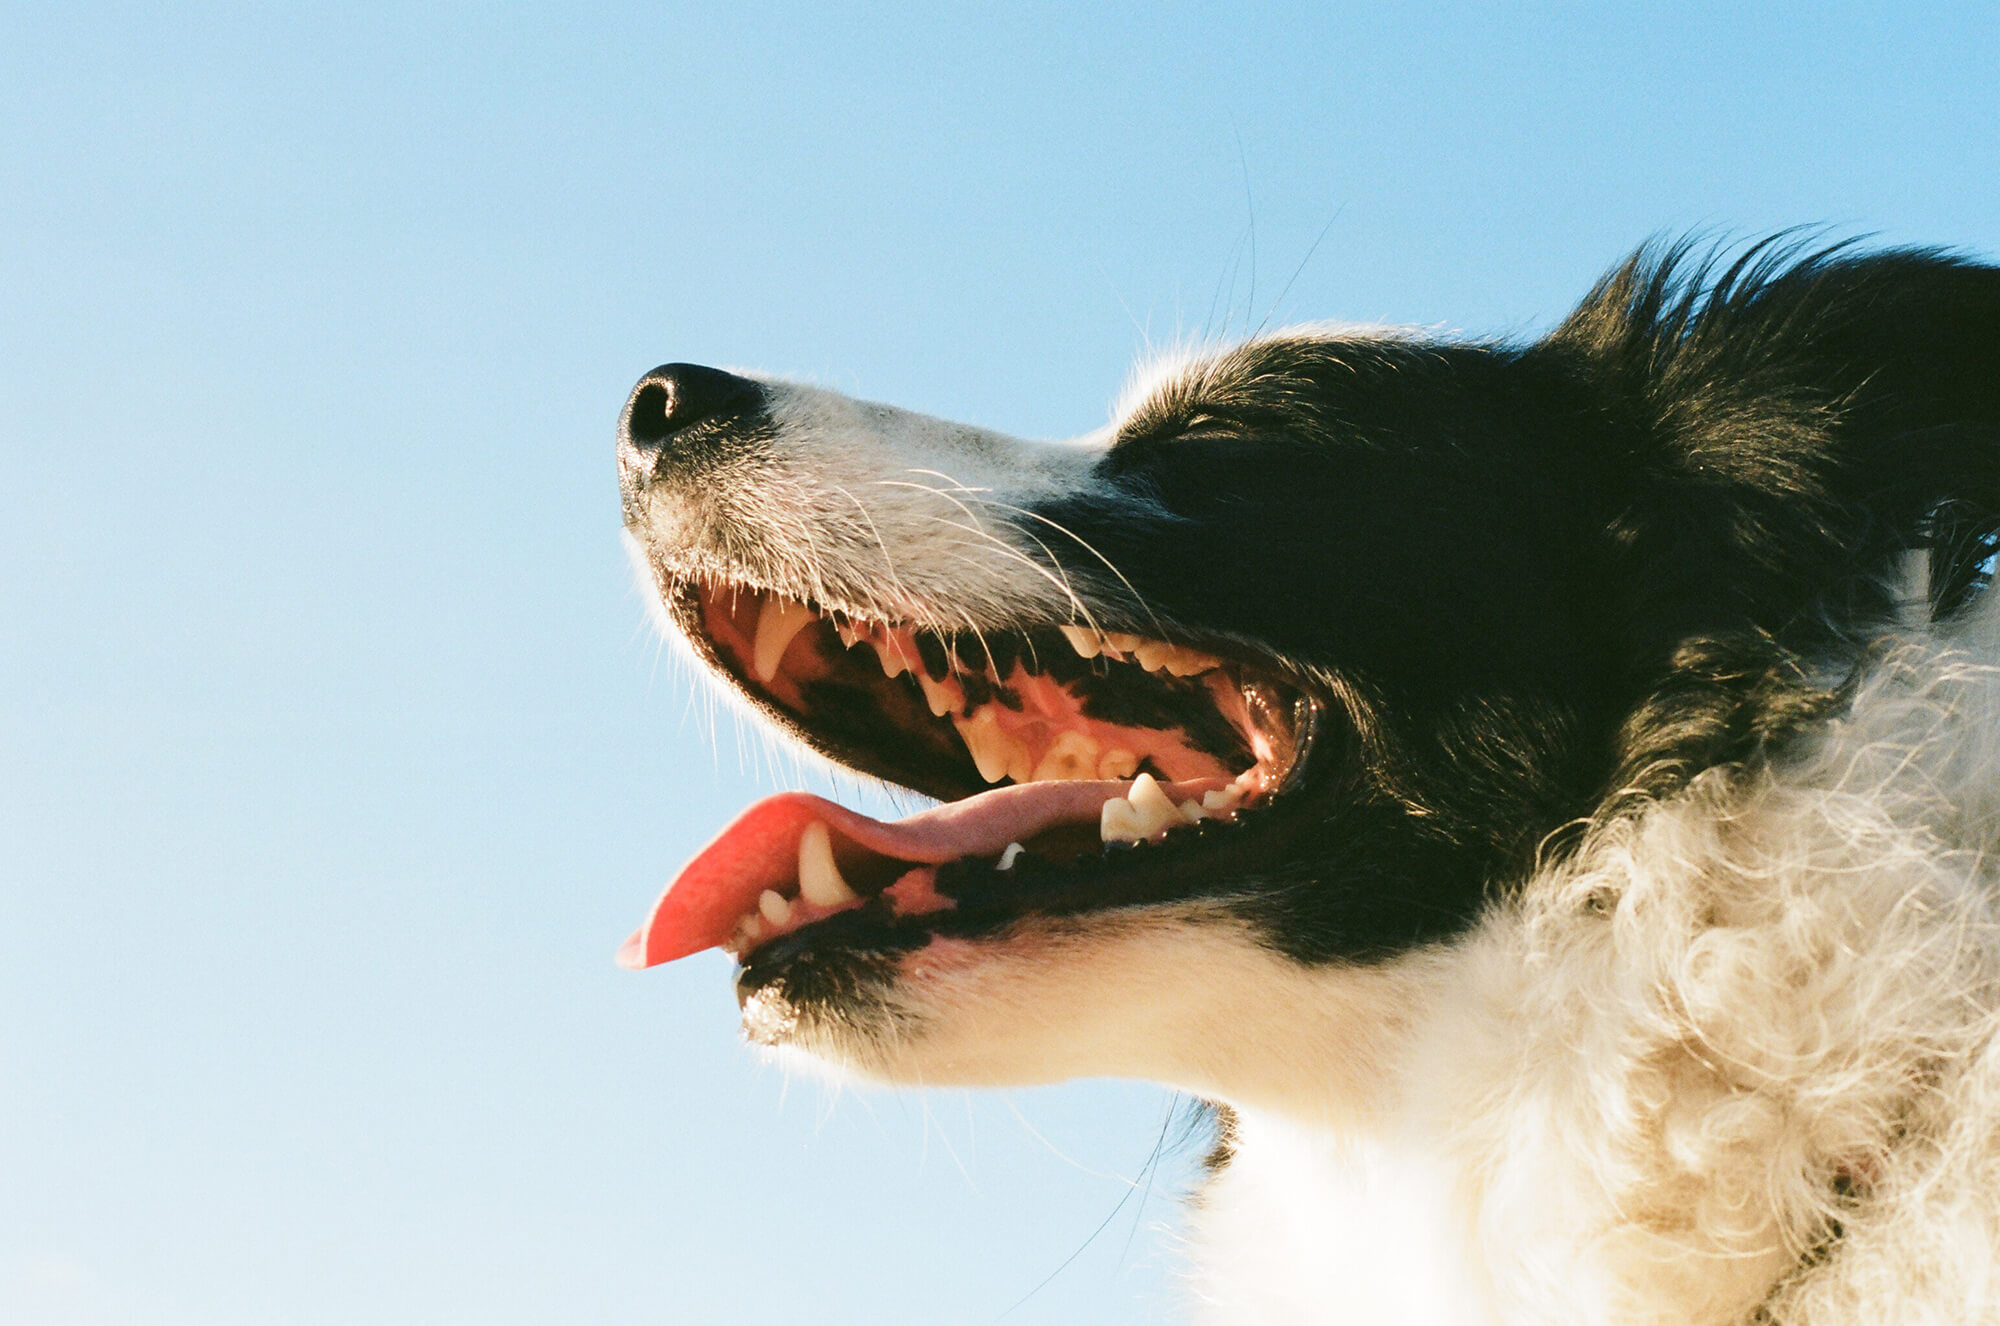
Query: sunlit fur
[(1653, 1088), (883, 512), (1660, 1086), (1695, 1024)]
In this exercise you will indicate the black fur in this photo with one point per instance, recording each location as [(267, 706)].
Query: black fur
[(1546, 582), (1530, 586)]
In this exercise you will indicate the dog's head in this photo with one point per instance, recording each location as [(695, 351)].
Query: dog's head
[(1309, 657)]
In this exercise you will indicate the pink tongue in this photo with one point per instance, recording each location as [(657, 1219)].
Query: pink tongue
[(761, 851)]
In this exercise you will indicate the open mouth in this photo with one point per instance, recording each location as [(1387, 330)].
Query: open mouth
[(1055, 752)]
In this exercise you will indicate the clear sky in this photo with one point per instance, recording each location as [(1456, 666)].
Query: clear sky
[(336, 755)]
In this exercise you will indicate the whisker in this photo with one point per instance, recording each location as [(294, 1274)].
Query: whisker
[(888, 563), (1076, 602), (1086, 545), (1059, 577)]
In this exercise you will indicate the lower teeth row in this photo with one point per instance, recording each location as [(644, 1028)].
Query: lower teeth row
[(1145, 813)]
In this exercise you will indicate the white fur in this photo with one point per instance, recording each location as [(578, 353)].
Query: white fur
[(886, 513), (1731, 1061), (1626, 1096)]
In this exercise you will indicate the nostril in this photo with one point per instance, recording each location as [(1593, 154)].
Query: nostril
[(677, 396), (648, 421)]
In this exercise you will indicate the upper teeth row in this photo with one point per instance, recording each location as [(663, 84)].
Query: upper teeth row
[(1152, 655), (780, 620)]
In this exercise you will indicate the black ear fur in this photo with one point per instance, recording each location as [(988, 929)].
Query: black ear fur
[(1801, 420)]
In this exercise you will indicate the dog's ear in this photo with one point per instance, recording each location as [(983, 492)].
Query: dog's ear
[(1796, 422)]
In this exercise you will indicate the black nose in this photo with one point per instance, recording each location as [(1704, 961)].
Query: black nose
[(675, 396)]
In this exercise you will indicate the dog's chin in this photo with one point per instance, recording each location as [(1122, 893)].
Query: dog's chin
[(1183, 995)]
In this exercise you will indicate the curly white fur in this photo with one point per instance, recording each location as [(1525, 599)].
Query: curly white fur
[(1734, 1061)]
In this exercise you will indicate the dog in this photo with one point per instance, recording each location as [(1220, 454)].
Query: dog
[(1545, 795)]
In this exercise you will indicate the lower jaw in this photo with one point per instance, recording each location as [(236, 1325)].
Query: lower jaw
[(849, 961)]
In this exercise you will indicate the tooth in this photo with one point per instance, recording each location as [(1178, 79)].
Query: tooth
[(1020, 762), (1011, 855), (1119, 823), (890, 655), (1124, 642), (777, 625), (1153, 655), (1192, 812), (1156, 810), (819, 874), (1071, 755), (1117, 764), (1222, 800), (774, 907), (987, 743), (1083, 642), (944, 697), (1191, 662), (748, 931), (849, 636)]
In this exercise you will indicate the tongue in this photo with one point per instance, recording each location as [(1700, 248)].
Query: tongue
[(760, 851)]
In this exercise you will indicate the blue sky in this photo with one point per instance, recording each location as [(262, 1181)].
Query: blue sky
[(336, 755)]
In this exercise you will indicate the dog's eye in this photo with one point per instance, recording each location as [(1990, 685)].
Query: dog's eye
[(1197, 426), (1187, 428)]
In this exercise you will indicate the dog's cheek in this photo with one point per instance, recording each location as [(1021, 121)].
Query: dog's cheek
[(1029, 1006), (1179, 995)]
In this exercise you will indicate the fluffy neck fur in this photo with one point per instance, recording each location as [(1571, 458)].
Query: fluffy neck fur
[(1732, 1061)]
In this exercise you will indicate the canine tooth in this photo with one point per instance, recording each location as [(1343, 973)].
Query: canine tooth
[(1117, 764), (1156, 810), (944, 697), (777, 625), (819, 874), (1072, 754), (988, 744), (1117, 822), (1083, 642), (1011, 855), (774, 907)]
